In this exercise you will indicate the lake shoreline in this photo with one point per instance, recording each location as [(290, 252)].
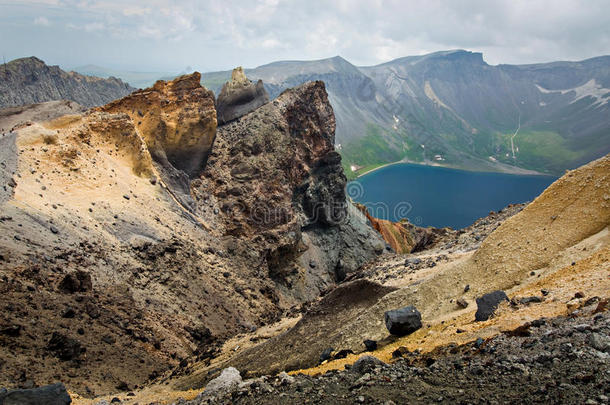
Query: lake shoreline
[(513, 170)]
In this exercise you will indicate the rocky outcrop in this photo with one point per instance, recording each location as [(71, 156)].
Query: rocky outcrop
[(30, 80), (404, 237), (176, 119), (239, 96), (282, 187)]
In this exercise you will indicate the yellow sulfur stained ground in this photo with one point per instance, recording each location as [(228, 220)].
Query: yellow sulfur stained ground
[(590, 276)]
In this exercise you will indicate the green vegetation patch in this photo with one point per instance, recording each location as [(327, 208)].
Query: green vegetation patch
[(542, 151)]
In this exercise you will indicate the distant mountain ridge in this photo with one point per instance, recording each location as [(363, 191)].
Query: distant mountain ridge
[(30, 80), (452, 108), (136, 79)]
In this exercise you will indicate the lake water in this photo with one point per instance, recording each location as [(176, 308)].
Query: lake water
[(440, 197)]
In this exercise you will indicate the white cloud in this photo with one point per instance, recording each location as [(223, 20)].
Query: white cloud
[(220, 33), (42, 21)]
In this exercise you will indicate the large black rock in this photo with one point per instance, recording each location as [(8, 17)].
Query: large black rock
[(54, 394), (488, 303), (403, 321)]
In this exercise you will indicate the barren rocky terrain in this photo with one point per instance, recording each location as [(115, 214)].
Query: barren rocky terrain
[(120, 245), (148, 254)]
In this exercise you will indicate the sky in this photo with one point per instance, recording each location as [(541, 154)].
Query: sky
[(171, 35)]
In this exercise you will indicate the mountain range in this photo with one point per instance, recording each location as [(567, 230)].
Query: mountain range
[(452, 108), (446, 108), (29, 80)]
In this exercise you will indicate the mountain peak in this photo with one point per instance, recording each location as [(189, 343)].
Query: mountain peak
[(33, 60)]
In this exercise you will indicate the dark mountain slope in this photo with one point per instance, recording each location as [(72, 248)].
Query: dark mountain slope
[(30, 80)]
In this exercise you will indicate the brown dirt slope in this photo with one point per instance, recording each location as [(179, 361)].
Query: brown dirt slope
[(309, 334)]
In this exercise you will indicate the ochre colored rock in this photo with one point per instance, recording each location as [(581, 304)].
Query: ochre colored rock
[(176, 119)]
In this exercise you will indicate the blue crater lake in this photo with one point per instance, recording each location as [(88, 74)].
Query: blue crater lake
[(441, 197)]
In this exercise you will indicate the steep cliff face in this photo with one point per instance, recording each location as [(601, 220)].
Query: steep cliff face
[(282, 188), (30, 80), (124, 258)]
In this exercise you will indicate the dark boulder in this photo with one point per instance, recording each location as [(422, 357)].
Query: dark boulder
[(403, 321), (239, 96), (54, 394), (341, 354), (77, 281), (488, 303), (326, 354), (370, 345), (64, 347)]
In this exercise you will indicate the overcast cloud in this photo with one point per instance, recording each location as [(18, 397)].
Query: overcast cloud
[(169, 35)]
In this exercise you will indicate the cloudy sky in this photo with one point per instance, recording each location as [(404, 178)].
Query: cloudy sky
[(169, 35)]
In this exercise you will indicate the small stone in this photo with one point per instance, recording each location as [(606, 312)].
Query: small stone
[(400, 352), (462, 302), (366, 364), (599, 342), (467, 288), (64, 347), (371, 345), (108, 339), (126, 196), (285, 378), (68, 313), (530, 300), (579, 294), (54, 229), (326, 353)]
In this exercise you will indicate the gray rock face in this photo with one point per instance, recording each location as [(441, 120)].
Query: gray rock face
[(54, 394), (228, 379), (488, 303), (30, 80), (276, 173), (239, 96), (403, 321)]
